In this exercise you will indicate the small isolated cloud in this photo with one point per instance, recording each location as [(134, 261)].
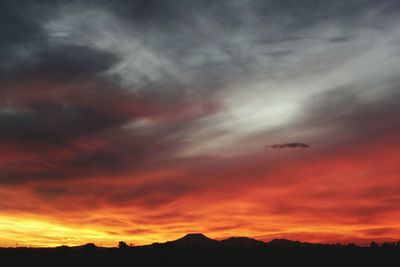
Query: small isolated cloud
[(288, 145)]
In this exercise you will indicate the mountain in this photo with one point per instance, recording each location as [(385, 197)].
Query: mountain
[(243, 242), (202, 241), (194, 240)]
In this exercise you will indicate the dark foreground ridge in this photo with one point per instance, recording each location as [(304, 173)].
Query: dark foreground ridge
[(199, 250)]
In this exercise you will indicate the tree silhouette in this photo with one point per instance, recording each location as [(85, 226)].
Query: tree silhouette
[(122, 245)]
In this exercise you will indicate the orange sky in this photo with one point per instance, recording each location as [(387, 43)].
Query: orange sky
[(347, 195)]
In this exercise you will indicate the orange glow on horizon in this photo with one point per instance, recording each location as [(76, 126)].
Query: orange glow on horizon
[(317, 204)]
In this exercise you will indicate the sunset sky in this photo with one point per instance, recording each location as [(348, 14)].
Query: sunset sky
[(146, 120)]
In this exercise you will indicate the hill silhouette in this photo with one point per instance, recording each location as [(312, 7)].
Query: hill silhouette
[(202, 241), (194, 240), (199, 250)]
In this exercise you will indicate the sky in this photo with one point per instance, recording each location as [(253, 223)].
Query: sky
[(146, 120)]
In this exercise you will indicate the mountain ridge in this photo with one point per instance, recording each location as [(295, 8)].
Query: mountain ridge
[(201, 240)]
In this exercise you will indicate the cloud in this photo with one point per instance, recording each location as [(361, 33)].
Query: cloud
[(66, 63), (288, 145)]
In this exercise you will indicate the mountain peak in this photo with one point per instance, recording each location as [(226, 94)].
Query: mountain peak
[(195, 239), (195, 236)]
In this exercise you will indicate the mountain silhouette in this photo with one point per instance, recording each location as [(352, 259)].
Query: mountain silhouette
[(194, 240), (201, 241)]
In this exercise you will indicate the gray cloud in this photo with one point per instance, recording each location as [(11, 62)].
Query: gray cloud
[(67, 62), (52, 123)]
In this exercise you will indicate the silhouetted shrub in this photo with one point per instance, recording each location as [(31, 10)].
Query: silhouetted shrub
[(122, 245)]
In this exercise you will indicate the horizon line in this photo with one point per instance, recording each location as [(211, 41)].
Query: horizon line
[(357, 244)]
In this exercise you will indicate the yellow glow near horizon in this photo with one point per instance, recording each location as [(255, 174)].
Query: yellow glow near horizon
[(24, 231), (40, 233)]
